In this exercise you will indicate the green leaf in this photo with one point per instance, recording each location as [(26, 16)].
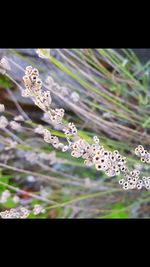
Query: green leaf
[(4, 179), (38, 216), (9, 204), (118, 212), (32, 216), (146, 123), (5, 82), (59, 212)]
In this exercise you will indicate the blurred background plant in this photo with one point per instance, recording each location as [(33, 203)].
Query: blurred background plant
[(105, 93)]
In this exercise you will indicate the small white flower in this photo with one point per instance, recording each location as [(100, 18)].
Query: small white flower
[(56, 115), (4, 65), (65, 148), (31, 178), (2, 108), (96, 139), (47, 136), (4, 196), (70, 129), (31, 156), (19, 118), (15, 125), (24, 212), (3, 122), (38, 209), (16, 199), (43, 53), (49, 81), (75, 97), (88, 182), (64, 91), (124, 63), (107, 115), (39, 129)]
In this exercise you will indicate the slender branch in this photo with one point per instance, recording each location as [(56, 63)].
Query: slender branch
[(42, 176), (30, 194)]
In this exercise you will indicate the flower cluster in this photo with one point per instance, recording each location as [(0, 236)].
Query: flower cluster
[(56, 115), (80, 148), (48, 138), (38, 209), (13, 124), (41, 98), (51, 139), (112, 163), (33, 88), (19, 212), (39, 129), (109, 162), (142, 153), (70, 129), (132, 180), (6, 195)]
